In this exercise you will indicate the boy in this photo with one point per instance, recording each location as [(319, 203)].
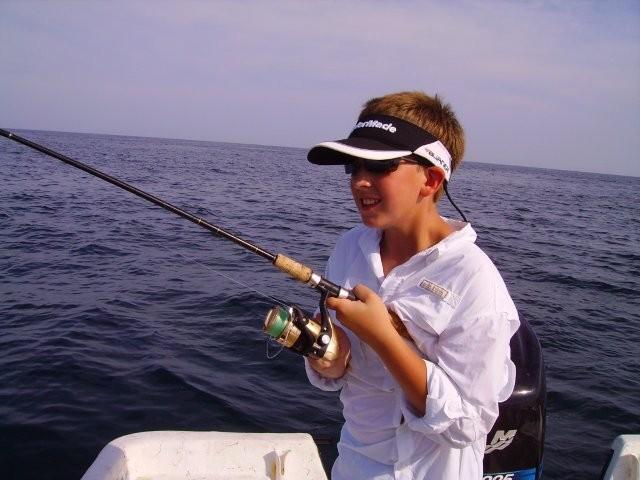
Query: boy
[(418, 407)]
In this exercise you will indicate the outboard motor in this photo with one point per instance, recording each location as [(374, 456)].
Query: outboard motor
[(515, 444)]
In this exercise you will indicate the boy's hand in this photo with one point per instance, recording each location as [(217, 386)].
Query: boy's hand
[(368, 318), (333, 368), (370, 321)]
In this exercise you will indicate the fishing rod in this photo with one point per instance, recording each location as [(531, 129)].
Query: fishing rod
[(288, 326)]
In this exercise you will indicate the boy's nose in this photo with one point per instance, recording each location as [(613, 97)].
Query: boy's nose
[(360, 182), (361, 178)]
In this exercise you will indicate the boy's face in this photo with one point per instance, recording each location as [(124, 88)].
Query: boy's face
[(389, 200)]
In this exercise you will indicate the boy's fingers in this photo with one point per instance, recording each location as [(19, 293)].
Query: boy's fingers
[(334, 302), (362, 292), (319, 362)]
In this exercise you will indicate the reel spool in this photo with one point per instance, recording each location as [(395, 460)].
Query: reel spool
[(291, 328)]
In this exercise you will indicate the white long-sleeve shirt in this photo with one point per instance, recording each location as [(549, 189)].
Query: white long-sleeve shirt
[(457, 309)]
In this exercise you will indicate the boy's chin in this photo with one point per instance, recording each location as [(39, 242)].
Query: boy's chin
[(371, 221)]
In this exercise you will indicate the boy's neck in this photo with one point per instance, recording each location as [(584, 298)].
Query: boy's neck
[(398, 245)]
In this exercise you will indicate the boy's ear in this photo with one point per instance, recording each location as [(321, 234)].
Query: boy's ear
[(434, 177)]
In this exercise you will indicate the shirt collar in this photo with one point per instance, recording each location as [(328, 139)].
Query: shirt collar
[(463, 232), (369, 243)]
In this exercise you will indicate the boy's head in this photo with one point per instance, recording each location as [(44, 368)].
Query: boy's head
[(400, 125)]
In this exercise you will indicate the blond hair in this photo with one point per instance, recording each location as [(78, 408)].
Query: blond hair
[(428, 113)]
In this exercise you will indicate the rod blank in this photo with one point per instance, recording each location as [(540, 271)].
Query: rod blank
[(289, 266), (140, 193)]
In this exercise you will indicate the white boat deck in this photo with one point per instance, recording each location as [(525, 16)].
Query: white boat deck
[(625, 462), (174, 455), (208, 456)]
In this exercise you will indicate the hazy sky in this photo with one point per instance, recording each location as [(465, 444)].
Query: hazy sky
[(554, 84)]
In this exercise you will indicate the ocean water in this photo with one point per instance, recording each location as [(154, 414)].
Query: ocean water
[(118, 317)]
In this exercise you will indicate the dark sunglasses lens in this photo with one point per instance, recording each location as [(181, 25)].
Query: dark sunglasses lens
[(382, 166), (372, 166)]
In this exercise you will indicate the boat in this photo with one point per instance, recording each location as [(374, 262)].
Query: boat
[(514, 448), (624, 459), (208, 456), (268, 456)]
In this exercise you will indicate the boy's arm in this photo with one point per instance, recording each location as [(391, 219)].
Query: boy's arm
[(370, 321), (471, 371)]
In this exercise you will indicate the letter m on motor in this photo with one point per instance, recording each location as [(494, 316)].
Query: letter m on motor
[(501, 440)]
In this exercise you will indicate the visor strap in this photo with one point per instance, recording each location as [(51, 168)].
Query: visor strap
[(446, 191)]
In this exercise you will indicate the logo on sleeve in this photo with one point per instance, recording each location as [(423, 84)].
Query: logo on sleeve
[(439, 291)]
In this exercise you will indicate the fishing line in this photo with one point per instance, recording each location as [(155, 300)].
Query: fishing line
[(294, 269), (237, 282), (278, 352), (194, 260), (284, 323), (268, 340)]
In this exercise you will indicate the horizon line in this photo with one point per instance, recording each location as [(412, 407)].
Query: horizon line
[(305, 148)]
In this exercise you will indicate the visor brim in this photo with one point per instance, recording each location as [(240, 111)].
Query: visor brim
[(347, 150)]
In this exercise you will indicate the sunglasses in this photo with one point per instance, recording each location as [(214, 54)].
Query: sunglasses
[(376, 166)]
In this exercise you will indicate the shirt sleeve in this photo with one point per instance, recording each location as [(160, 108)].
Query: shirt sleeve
[(472, 373), (321, 382)]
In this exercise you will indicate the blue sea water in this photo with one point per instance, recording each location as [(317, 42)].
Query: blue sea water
[(118, 317)]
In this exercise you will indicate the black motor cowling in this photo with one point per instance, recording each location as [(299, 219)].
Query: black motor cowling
[(515, 444)]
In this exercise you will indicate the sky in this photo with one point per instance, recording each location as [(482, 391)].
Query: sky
[(551, 84)]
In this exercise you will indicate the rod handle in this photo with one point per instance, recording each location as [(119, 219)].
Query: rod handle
[(303, 273), (292, 268)]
